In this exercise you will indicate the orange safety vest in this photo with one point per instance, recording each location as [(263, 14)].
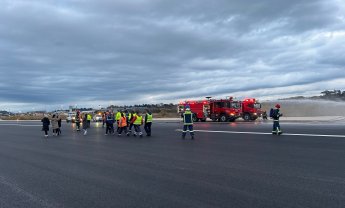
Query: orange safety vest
[(123, 122)]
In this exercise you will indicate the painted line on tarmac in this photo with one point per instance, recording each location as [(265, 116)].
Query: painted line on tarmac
[(27, 196), (265, 133), (19, 125)]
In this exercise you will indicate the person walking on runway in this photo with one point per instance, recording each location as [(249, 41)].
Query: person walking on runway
[(45, 122)]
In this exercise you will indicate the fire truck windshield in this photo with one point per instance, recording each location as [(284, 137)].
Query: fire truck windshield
[(257, 105), (235, 105)]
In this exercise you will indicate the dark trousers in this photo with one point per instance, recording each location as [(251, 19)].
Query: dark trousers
[(78, 125), (109, 129), (123, 129), (147, 128), (118, 128), (46, 132), (137, 130), (276, 127), (59, 130), (191, 130), (130, 127)]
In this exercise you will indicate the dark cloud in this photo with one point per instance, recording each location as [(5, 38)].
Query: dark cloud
[(99, 52)]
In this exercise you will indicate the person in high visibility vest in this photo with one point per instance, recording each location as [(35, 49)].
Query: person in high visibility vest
[(123, 125), (188, 123), (137, 122), (118, 117), (132, 116), (148, 123), (86, 123)]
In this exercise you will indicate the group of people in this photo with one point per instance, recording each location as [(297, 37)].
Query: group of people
[(125, 121), (55, 122)]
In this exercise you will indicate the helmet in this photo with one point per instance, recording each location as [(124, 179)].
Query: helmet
[(187, 107), (277, 106)]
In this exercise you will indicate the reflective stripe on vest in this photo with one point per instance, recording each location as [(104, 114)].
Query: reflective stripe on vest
[(138, 120), (149, 118)]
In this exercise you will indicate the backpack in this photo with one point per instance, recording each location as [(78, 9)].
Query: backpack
[(273, 113)]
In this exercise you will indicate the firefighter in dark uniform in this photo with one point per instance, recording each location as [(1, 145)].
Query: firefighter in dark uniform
[(275, 116), (187, 123)]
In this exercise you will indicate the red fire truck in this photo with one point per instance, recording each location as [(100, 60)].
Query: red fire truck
[(222, 109), (251, 109), (217, 110), (199, 108)]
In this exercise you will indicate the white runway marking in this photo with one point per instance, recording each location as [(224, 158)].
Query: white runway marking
[(27, 196), (18, 125), (265, 133)]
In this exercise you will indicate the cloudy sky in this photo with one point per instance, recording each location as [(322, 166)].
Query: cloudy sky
[(100, 52)]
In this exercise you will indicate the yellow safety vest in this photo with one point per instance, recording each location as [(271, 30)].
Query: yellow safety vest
[(89, 117), (138, 121), (118, 116), (149, 118)]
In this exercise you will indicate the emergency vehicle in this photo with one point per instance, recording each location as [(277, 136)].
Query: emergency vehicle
[(200, 109), (222, 109), (217, 110), (251, 109)]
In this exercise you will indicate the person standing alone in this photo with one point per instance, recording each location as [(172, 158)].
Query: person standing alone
[(275, 115), (188, 123)]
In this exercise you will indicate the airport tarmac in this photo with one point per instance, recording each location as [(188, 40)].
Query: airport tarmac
[(228, 165)]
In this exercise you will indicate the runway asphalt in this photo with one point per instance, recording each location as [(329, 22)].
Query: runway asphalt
[(227, 165)]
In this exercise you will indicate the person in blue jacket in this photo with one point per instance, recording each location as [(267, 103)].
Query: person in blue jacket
[(275, 116)]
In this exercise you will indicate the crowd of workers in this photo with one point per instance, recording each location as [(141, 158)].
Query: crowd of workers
[(127, 120)]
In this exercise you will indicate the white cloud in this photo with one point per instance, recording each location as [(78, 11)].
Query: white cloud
[(91, 52)]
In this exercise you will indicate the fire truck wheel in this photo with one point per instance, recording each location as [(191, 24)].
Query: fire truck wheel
[(246, 117), (203, 120), (223, 118)]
